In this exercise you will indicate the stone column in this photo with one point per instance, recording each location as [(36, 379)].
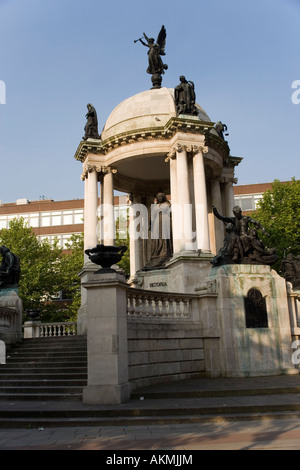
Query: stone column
[(106, 339), (202, 229), (107, 206), (90, 209), (184, 200), (229, 196), (217, 202), (137, 219), (176, 232), (2, 352)]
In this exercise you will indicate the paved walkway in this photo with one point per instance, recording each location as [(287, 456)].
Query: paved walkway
[(253, 435), (218, 434)]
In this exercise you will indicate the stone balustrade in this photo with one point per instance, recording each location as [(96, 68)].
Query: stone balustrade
[(143, 304), (36, 329)]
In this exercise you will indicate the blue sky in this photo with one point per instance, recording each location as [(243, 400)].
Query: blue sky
[(58, 55)]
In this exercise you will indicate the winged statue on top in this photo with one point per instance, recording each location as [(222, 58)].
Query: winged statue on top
[(156, 50)]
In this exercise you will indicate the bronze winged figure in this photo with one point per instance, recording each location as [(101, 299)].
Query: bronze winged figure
[(156, 50)]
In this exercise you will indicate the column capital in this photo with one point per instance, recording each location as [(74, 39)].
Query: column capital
[(175, 149), (179, 148), (99, 169), (228, 179), (198, 149)]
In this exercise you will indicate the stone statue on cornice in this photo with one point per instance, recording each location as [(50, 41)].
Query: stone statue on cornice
[(185, 97), (91, 127)]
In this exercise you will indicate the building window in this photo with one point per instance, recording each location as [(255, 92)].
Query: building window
[(78, 216), (34, 219), (45, 219), (56, 218), (67, 217), (247, 202), (3, 222)]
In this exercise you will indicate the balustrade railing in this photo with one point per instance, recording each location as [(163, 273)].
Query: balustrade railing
[(170, 306), (36, 329), (58, 329)]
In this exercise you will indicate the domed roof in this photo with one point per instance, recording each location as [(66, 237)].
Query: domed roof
[(148, 109)]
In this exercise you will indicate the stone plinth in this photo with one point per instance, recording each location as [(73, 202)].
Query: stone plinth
[(10, 316), (261, 349), (32, 329), (183, 273), (106, 318)]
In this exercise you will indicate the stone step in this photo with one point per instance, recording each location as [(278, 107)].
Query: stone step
[(212, 393), (39, 389), (50, 357), (29, 422), (46, 347), (37, 369), (46, 396), (45, 369), (54, 342), (149, 412), (43, 364), (43, 376), (36, 382)]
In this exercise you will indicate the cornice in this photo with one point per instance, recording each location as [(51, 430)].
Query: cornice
[(184, 124), (218, 144), (233, 161)]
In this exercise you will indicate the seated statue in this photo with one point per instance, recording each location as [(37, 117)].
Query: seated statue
[(9, 268), (232, 250), (258, 254)]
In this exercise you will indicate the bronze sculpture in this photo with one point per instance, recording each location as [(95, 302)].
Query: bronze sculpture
[(9, 269), (290, 269), (185, 97), (242, 245), (221, 128), (156, 67), (161, 237), (91, 127)]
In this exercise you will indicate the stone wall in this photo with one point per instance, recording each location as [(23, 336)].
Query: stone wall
[(159, 352)]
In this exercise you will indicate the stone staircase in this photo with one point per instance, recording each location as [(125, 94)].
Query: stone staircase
[(53, 368), (42, 383)]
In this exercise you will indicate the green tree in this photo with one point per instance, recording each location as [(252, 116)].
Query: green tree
[(279, 212), (71, 265), (45, 271), (40, 279), (122, 239)]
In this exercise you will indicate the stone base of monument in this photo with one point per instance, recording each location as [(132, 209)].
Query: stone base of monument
[(106, 317), (10, 316), (182, 273), (252, 316)]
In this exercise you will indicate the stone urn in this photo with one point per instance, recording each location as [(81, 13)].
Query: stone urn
[(106, 256), (33, 313)]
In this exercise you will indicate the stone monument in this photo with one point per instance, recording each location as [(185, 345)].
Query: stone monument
[(212, 299)]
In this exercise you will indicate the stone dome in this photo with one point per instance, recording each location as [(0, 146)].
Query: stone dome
[(145, 110)]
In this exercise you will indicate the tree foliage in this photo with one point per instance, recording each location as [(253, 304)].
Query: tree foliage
[(122, 239), (279, 212), (45, 270)]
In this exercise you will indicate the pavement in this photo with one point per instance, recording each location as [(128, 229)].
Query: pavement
[(223, 431)]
